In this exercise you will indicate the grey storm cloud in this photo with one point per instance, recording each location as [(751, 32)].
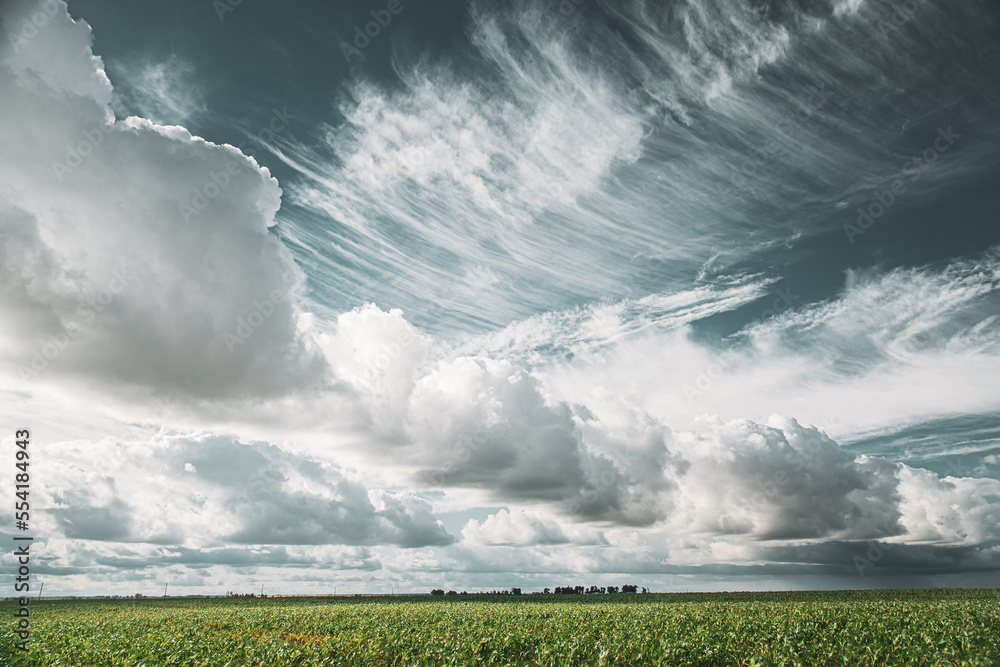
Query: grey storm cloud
[(83, 522), (767, 482), (485, 424), (781, 481)]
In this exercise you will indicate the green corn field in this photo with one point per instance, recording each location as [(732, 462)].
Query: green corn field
[(856, 628)]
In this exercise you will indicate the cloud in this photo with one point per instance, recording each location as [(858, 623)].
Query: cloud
[(78, 520), (214, 490), (863, 562), (780, 481), (590, 330), (481, 423), (874, 357), (165, 92), (776, 482), (949, 510), (957, 446), (476, 422), (138, 255), (139, 558), (72, 566), (500, 182), (523, 528), (378, 355), (637, 129), (507, 437)]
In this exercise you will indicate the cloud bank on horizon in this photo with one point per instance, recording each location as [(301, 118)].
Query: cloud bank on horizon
[(529, 390)]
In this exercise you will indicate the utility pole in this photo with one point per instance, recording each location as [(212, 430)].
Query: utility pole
[(40, 590)]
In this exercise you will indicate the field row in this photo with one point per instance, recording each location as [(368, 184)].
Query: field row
[(950, 628)]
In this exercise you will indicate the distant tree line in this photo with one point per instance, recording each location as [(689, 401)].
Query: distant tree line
[(559, 590), (512, 591)]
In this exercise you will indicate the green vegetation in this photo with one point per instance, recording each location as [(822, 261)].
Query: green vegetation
[(931, 627)]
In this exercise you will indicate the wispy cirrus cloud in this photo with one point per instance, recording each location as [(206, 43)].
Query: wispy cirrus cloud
[(168, 92)]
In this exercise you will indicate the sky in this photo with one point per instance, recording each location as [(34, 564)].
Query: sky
[(390, 296)]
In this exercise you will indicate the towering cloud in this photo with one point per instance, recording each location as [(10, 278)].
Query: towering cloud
[(136, 255)]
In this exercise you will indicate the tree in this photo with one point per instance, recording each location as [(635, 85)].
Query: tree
[(437, 591)]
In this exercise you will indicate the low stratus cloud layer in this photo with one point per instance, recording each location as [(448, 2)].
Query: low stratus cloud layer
[(204, 415)]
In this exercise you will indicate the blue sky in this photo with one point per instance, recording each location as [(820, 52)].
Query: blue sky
[(685, 294)]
